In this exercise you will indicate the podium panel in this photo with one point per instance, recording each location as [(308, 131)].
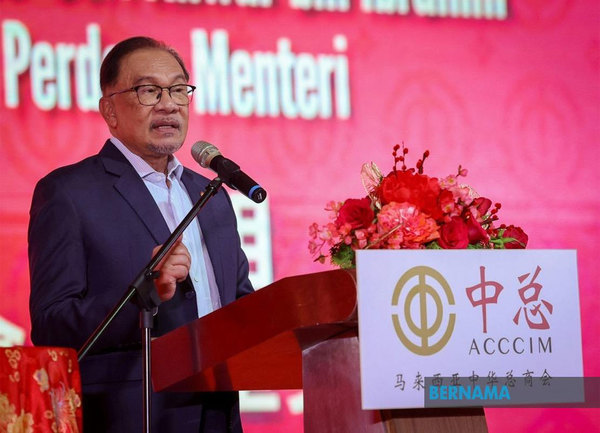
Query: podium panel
[(298, 333)]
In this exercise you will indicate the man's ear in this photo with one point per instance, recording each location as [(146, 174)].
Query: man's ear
[(107, 109)]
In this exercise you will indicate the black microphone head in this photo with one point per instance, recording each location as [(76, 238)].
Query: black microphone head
[(208, 156), (204, 152)]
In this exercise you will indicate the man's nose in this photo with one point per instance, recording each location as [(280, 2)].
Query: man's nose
[(166, 101)]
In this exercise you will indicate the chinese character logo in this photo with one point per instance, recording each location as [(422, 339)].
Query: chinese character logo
[(421, 300), (484, 297), (530, 294)]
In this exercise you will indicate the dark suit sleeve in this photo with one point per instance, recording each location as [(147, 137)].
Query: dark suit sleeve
[(62, 312), (244, 287)]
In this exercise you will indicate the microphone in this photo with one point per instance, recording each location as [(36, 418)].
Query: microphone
[(208, 156)]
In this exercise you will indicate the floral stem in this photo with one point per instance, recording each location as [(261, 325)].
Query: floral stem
[(387, 235)]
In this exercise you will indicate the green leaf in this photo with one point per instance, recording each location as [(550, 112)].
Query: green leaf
[(343, 256)]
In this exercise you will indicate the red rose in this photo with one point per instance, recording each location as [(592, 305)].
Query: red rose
[(454, 235), (519, 236), (421, 191), (356, 212), (476, 232), (482, 205)]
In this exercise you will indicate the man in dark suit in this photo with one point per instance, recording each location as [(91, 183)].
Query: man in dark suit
[(95, 224)]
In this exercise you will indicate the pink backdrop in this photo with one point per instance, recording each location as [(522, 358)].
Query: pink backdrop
[(515, 100)]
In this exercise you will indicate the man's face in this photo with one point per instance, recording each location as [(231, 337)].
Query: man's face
[(152, 132)]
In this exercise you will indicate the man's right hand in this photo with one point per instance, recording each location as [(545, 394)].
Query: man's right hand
[(174, 268)]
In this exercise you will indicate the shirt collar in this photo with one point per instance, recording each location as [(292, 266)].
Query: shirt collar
[(174, 167)]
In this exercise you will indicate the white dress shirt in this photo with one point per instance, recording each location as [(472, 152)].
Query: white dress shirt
[(174, 203)]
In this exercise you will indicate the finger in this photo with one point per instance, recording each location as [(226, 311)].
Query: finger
[(166, 290), (156, 249), (176, 261), (174, 272), (181, 253)]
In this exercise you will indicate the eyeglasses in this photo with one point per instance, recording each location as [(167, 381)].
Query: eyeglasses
[(150, 94)]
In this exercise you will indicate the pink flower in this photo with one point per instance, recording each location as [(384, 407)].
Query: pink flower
[(333, 206), (461, 193), (449, 182), (401, 225), (313, 230), (321, 237), (362, 236)]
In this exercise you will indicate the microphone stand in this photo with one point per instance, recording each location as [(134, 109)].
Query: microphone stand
[(148, 301)]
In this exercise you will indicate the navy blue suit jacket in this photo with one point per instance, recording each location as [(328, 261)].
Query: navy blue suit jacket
[(93, 226)]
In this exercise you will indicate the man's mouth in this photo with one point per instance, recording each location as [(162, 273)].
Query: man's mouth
[(165, 125)]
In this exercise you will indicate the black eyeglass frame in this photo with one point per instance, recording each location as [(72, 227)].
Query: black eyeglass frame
[(190, 92)]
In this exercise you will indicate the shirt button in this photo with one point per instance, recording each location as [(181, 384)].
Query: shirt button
[(190, 294)]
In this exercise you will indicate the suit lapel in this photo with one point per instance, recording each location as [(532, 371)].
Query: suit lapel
[(131, 187)]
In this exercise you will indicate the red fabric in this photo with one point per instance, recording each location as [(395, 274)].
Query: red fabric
[(40, 390)]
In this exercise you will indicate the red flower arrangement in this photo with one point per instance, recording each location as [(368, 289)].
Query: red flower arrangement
[(409, 210)]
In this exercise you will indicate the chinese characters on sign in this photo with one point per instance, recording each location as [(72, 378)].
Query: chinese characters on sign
[(474, 379), (531, 301)]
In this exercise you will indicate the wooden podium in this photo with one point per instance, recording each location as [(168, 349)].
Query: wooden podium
[(298, 333)]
